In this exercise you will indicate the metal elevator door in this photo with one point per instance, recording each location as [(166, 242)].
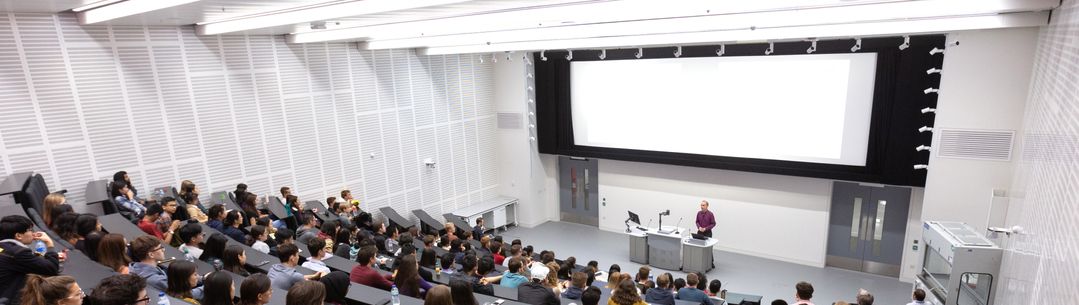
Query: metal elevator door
[(866, 227), (578, 190)]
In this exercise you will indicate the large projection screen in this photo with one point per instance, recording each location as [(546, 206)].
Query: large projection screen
[(803, 108)]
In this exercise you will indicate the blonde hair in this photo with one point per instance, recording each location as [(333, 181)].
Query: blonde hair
[(552, 276), (51, 202)]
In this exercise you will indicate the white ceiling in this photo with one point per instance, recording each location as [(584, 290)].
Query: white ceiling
[(487, 23)]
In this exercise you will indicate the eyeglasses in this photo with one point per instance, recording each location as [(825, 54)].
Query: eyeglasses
[(159, 248), (82, 294), (145, 300)]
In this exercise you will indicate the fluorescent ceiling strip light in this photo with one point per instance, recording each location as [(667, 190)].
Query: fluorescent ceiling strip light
[(836, 15), (94, 5), (318, 12), (1028, 19), (489, 27), (126, 8), (583, 12)]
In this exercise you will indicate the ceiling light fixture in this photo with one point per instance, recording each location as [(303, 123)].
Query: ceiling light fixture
[(322, 11), (866, 29), (94, 5), (465, 31), (126, 8)]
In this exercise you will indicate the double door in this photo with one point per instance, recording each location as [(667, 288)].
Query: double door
[(578, 190), (867, 226)]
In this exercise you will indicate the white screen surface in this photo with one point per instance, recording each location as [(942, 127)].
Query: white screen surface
[(806, 108)]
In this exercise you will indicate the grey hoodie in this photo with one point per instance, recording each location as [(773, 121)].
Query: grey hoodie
[(283, 277)]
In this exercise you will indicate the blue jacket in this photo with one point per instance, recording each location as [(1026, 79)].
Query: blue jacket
[(155, 277), (659, 296), (512, 280), (216, 224), (693, 295), (574, 293), (235, 234)]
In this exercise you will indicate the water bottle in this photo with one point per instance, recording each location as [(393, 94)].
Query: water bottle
[(39, 247), (162, 299), (438, 267), (395, 296)]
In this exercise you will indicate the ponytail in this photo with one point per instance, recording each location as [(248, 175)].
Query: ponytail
[(40, 290)]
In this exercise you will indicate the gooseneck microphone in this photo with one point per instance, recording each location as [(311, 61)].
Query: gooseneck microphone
[(676, 228)]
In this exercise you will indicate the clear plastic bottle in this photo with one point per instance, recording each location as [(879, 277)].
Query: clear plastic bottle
[(438, 267), (162, 299), (395, 296), (38, 246)]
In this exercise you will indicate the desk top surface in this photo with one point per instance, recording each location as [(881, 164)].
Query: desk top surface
[(484, 206), (14, 182)]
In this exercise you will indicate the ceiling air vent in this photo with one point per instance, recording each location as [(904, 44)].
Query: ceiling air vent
[(509, 120), (995, 145)]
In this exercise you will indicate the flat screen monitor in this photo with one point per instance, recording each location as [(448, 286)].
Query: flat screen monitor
[(634, 218)]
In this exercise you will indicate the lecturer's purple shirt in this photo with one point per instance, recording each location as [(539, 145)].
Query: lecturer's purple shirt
[(706, 220)]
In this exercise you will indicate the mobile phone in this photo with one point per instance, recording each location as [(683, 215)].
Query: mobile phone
[(499, 302)]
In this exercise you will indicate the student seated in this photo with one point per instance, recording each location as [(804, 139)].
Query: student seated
[(691, 293), (626, 294), (283, 236), (218, 289), (125, 198), (471, 273), (317, 247), (440, 295), (183, 282), (235, 259), (365, 274), (191, 236), (147, 252), (255, 290), (54, 290), (216, 216), (336, 284), (52, 202), (577, 285), (308, 231), (17, 259), (662, 295), (121, 289), (408, 280), (590, 296), (148, 224), (446, 262), (259, 235), (534, 292), (715, 291), (112, 252), (306, 293), (189, 193), (513, 277), (233, 220), (284, 275)]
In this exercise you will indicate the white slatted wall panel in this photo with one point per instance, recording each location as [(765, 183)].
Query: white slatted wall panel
[(81, 103)]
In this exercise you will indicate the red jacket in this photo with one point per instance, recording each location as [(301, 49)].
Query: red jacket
[(365, 275)]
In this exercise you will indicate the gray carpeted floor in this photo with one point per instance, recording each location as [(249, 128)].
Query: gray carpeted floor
[(739, 273)]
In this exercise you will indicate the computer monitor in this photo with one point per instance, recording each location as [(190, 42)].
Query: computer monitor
[(634, 218)]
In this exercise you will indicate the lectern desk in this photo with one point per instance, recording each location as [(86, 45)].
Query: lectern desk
[(697, 254), (638, 246), (665, 249)]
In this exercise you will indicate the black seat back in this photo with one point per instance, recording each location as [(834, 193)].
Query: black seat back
[(33, 193)]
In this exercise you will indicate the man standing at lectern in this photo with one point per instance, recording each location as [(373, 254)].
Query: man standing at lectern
[(705, 220)]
